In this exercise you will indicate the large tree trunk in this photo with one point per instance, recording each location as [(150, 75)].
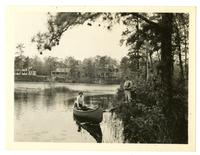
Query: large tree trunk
[(166, 56)]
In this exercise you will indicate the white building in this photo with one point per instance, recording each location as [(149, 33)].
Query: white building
[(61, 72), (25, 71)]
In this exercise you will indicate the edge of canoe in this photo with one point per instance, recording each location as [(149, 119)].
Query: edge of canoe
[(94, 115)]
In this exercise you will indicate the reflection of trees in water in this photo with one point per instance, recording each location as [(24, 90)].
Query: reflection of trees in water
[(18, 109), (69, 102), (60, 95), (48, 97), (49, 101), (21, 96), (93, 129), (22, 99)]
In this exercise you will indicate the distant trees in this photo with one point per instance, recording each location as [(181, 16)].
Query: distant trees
[(180, 43), (73, 64), (19, 58), (125, 66), (99, 67), (20, 48), (88, 68), (37, 65), (83, 71), (50, 64), (18, 62)]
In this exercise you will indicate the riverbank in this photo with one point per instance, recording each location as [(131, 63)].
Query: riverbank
[(146, 119)]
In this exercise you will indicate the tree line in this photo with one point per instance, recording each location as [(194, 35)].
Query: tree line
[(87, 70)]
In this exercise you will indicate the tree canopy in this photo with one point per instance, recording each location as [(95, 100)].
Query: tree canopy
[(147, 34)]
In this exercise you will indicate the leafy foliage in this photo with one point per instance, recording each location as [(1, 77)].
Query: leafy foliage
[(145, 120)]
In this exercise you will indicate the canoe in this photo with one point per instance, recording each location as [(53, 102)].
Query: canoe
[(93, 115)]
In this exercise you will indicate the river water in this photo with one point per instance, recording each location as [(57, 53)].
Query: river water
[(43, 113)]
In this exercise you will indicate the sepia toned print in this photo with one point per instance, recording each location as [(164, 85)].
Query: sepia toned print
[(112, 77)]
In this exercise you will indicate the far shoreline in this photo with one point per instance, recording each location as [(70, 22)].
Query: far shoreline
[(67, 82)]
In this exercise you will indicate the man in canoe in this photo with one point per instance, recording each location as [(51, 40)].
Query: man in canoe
[(80, 103), (127, 89)]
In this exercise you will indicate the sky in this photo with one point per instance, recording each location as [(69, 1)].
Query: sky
[(80, 42)]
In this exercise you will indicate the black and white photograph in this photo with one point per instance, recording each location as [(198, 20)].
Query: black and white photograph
[(99, 76)]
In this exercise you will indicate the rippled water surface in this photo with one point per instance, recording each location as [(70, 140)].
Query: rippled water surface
[(46, 115)]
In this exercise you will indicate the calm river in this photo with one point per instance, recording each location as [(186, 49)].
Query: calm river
[(43, 113)]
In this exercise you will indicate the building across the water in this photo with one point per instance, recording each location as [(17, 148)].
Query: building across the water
[(27, 71), (61, 72)]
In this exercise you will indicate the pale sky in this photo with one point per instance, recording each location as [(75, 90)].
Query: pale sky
[(80, 42)]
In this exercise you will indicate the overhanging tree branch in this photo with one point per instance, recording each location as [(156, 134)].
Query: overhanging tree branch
[(156, 25)]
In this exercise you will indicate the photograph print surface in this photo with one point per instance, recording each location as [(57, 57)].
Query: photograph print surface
[(119, 77)]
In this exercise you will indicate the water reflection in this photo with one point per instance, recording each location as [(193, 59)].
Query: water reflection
[(48, 117), (92, 128)]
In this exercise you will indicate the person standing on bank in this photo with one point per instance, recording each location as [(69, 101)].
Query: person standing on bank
[(127, 89)]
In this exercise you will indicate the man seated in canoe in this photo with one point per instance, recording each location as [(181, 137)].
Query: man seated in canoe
[(80, 103)]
